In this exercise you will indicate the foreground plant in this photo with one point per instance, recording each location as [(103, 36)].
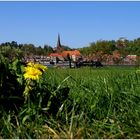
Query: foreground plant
[(33, 73)]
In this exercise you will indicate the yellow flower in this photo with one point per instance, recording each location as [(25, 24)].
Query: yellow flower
[(40, 67), (30, 64), (37, 66), (32, 73)]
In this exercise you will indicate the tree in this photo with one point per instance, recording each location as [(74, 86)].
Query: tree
[(11, 53), (48, 49), (28, 49), (66, 48)]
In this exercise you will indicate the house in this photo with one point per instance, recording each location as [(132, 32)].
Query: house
[(61, 54), (131, 59), (71, 53)]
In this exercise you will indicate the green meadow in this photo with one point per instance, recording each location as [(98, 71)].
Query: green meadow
[(71, 103)]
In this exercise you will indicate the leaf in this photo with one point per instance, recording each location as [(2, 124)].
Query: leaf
[(25, 118)]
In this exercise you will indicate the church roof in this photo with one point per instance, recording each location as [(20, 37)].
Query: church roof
[(60, 52), (65, 53), (75, 52), (55, 55)]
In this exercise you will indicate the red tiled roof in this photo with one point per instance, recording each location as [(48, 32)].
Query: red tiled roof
[(65, 53), (55, 54), (75, 52), (132, 56)]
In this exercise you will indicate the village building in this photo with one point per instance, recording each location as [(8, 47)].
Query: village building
[(61, 54), (130, 59), (58, 48)]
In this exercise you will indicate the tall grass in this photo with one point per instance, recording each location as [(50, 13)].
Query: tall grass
[(101, 103), (108, 100)]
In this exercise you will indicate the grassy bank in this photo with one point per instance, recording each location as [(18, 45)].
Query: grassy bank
[(88, 103)]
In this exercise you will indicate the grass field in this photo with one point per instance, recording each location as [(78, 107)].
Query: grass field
[(99, 103)]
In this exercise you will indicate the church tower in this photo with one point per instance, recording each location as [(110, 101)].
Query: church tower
[(58, 47)]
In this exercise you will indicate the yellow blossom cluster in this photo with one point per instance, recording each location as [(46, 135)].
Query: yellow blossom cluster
[(34, 71)]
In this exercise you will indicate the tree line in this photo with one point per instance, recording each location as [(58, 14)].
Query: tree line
[(13, 49), (101, 47), (122, 46)]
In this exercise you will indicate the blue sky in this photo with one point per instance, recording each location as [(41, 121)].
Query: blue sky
[(79, 23)]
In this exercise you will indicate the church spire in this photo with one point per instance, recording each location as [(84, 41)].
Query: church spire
[(58, 42), (59, 48)]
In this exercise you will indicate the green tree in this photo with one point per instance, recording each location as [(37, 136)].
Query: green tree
[(48, 49), (66, 48), (28, 49)]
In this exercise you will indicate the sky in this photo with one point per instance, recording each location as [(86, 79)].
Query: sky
[(79, 23)]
